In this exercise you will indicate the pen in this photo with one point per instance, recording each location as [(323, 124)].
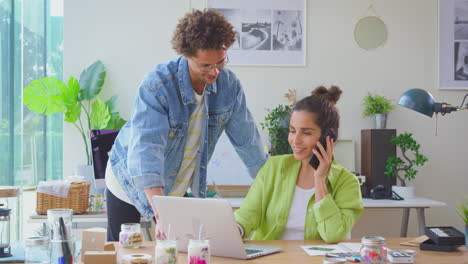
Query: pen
[(352, 259), (66, 257)]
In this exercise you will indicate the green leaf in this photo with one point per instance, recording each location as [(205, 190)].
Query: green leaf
[(277, 125), (111, 103), (44, 96), (100, 115), (92, 80), (73, 105), (463, 211), (116, 122), (119, 123), (73, 113), (376, 104)]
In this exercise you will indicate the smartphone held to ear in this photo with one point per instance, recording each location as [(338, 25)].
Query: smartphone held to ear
[(314, 161)]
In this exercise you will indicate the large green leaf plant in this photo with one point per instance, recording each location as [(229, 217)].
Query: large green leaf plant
[(78, 100)]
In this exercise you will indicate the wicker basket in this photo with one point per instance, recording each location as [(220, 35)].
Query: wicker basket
[(78, 199)]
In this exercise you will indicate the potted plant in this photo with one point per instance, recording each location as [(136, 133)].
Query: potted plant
[(463, 212), (78, 100), (404, 169), (277, 124), (377, 106)]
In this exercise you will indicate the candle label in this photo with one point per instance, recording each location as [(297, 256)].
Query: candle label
[(200, 257), (166, 255)]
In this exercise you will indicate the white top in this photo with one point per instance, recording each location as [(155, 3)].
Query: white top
[(114, 186), (187, 168), (294, 229)]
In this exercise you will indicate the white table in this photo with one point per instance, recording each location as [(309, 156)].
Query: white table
[(417, 203), (90, 220), (93, 220)]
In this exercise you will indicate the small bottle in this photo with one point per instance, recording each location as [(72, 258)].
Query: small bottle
[(198, 251), (96, 204), (130, 235), (37, 250), (373, 250), (166, 252)]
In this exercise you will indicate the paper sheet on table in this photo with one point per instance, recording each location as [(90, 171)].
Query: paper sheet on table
[(322, 250)]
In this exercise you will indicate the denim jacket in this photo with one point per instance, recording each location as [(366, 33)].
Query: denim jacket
[(149, 149)]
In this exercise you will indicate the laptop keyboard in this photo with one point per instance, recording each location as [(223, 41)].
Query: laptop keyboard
[(252, 251)]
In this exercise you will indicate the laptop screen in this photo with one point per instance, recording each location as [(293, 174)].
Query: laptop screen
[(101, 143)]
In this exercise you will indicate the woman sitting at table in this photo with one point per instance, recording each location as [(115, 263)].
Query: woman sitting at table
[(289, 199)]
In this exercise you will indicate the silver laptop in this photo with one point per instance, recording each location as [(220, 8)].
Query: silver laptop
[(187, 214)]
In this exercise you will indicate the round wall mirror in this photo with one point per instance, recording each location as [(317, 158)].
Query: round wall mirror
[(370, 33)]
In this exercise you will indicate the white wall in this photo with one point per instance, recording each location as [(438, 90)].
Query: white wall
[(130, 37)]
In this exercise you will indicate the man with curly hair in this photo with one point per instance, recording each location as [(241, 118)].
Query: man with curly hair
[(181, 109)]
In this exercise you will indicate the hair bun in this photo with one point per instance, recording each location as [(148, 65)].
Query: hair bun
[(331, 94)]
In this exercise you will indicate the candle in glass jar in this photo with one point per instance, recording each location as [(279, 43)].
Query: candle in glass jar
[(130, 235), (166, 252), (199, 252)]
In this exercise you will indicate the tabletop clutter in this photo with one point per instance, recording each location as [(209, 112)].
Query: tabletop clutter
[(61, 199), (60, 248), (165, 251)]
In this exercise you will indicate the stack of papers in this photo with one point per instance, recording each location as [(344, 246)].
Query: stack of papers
[(322, 250)]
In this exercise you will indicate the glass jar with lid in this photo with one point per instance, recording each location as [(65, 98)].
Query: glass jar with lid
[(37, 250), (130, 235), (5, 248), (165, 251), (11, 198), (96, 204), (198, 251), (373, 250)]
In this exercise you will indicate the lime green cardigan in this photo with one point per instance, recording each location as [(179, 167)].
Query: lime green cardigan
[(265, 209)]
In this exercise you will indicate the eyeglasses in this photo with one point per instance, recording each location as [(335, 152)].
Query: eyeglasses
[(209, 67)]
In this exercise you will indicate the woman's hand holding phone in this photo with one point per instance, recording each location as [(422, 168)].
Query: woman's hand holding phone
[(325, 158)]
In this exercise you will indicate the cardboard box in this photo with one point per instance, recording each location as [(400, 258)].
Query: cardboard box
[(101, 257), (93, 239), (109, 246)]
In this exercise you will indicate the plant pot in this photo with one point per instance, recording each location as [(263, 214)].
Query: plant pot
[(466, 236), (380, 121), (405, 192)]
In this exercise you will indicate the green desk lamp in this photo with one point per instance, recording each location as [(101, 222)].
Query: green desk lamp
[(421, 101)]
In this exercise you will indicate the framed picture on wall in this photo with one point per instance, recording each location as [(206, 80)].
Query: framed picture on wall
[(269, 32), (453, 44)]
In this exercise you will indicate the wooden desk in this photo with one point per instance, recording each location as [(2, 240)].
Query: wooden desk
[(419, 204), (292, 253)]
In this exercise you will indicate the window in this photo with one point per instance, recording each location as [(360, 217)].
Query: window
[(31, 46)]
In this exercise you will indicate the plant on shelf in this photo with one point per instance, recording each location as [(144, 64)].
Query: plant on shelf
[(377, 106), (78, 100), (463, 210), (277, 124), (395, 165)]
